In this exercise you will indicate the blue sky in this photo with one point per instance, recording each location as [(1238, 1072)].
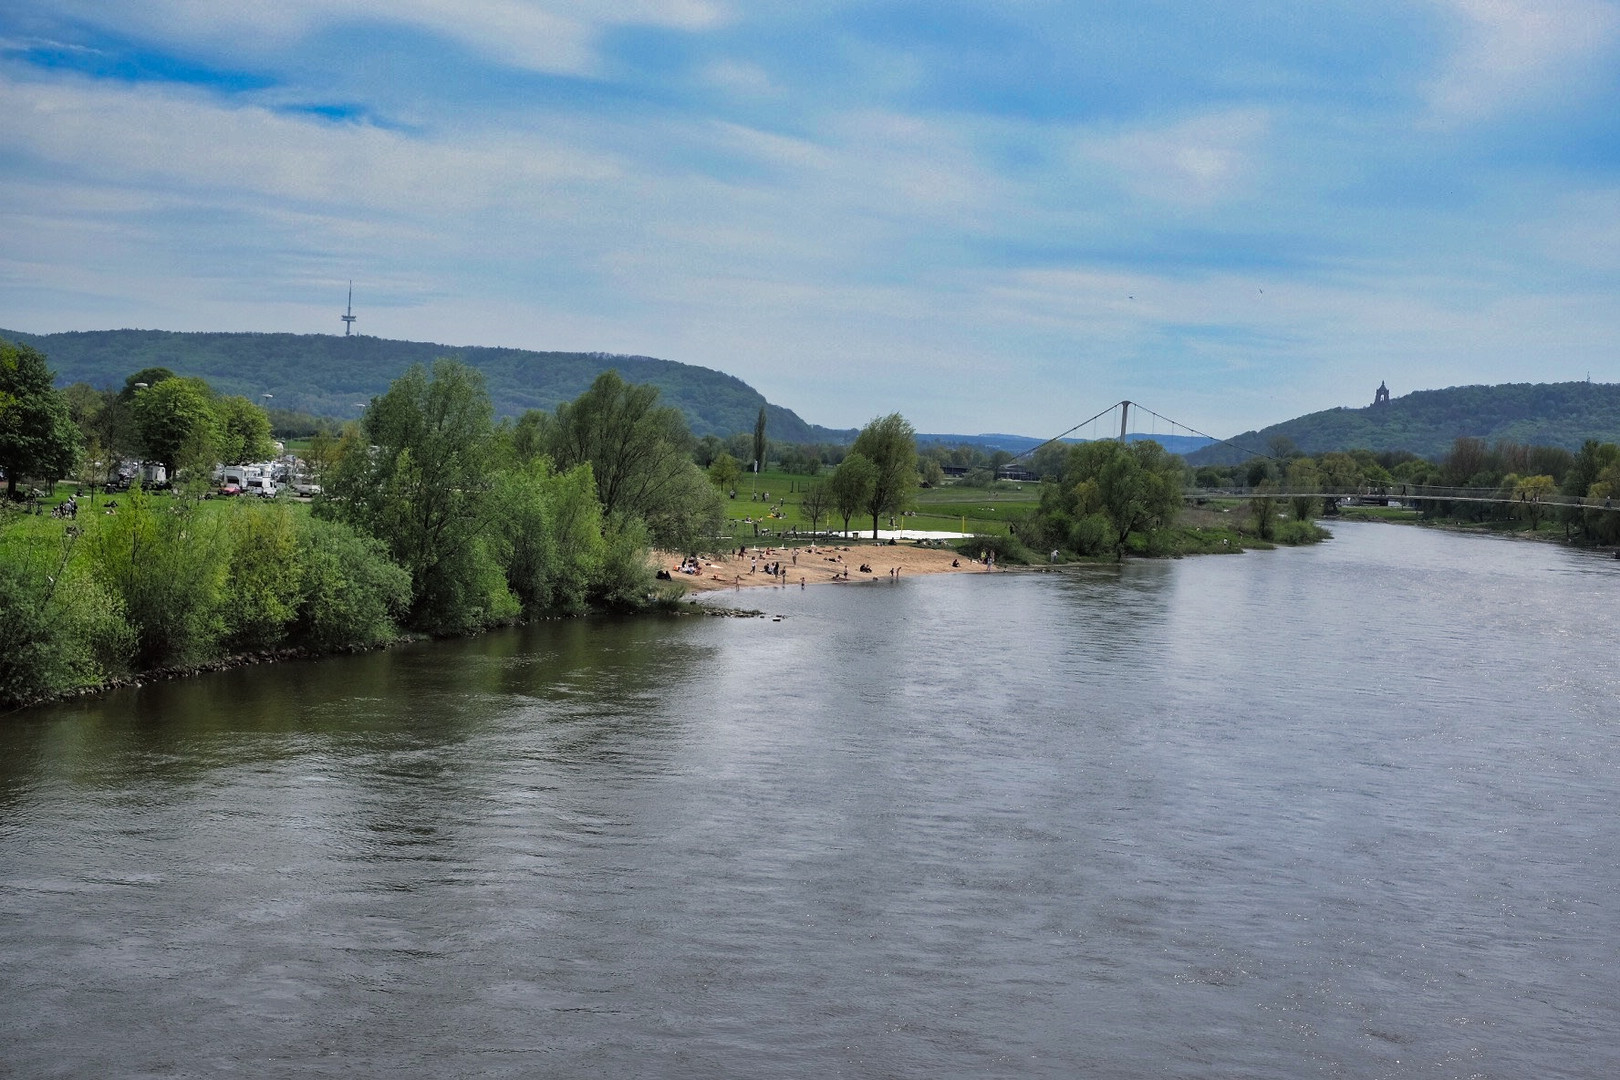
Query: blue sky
[(989, 217)]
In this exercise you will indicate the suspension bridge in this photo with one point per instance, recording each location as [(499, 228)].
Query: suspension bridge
[(1116, 422)]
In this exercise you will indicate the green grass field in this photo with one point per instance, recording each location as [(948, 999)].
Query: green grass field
[(945, 509)]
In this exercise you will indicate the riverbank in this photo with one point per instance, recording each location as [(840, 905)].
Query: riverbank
[(1547, 532)]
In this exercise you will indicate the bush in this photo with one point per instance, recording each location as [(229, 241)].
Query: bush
[(262, 592), (352, 592), (1008, 550), (626, 578), (164, 561), (1092, 534), (548, 535), (58, 634)]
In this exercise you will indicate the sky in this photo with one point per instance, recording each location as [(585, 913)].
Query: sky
[(989, 217)]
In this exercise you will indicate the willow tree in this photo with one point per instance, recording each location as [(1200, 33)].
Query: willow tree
[(640, 454)]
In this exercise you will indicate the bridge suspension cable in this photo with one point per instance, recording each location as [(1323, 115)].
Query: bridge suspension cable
[(1124, 421)]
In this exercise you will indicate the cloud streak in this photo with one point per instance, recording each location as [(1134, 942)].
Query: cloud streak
[(986, 221)]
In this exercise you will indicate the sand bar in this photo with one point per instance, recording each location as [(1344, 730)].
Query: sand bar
[(823, 564)]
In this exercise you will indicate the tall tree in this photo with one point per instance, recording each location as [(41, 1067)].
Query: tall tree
[(759, 440), (724, 471), (244, 431), (815, 502), (851, 485), (177, 422), (416, 477), (640, 455), (37, 434), (890, 444)]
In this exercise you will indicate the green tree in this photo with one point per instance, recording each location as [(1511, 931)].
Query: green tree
[(1529, 493), (61, 630), (759, 440), (244, 432), (816, 501), (266, 576), (851, 486), (1110, 491), (177, 423), (724, 471), (640, 457), (416, 477), (37, 434), (550, 536), (352, 592), (890, 444), (166, 566), (1304, 482)]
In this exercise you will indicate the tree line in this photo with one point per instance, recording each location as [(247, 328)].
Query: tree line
[(434, 519)]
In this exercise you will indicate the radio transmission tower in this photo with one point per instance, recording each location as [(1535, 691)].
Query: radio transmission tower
[(349, 316)]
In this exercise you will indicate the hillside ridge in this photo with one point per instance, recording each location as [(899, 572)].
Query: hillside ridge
[(1428, 422), (329, 375)]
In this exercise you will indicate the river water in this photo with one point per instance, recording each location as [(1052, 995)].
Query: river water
[(1345, 811)]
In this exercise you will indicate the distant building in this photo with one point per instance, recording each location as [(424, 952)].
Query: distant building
[(1382, 396)]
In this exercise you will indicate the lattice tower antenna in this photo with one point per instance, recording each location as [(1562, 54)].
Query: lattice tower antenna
[(348, 316)]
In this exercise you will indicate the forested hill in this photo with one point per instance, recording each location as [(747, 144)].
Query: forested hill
[(328, 375), (1427, 422)]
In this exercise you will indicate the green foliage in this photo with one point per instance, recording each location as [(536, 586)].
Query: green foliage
[(351, 593), (725, 471), (165, 563), (640, 456), (1428, 421), (549, 536), (890, 444), (324, 374), (37, 433), (244, 432), (852, 485), (177, 423), (1265, 516), (1106, 493), (265, 582), (1008, 550), (417, 479), (626, 579), (1295, 533), (61, 630), (1092, 534)]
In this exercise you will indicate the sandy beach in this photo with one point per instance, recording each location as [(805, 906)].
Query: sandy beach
[(821, 565)]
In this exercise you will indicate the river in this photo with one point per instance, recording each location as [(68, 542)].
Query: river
[(1350, 810)]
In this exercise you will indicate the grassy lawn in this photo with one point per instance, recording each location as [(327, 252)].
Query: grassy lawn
[(28, 529), (943, 509)]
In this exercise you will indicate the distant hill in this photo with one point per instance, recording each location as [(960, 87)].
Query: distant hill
[(327, 375), (1427, 422)]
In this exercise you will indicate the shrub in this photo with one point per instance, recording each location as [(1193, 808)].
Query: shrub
[(165, 563), (352, 592), (1008, 550), (262, 591)]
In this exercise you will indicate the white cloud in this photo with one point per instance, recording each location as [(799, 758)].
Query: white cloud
[(181, 141), (555, 36), (1195, 162), (1511, 54)]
